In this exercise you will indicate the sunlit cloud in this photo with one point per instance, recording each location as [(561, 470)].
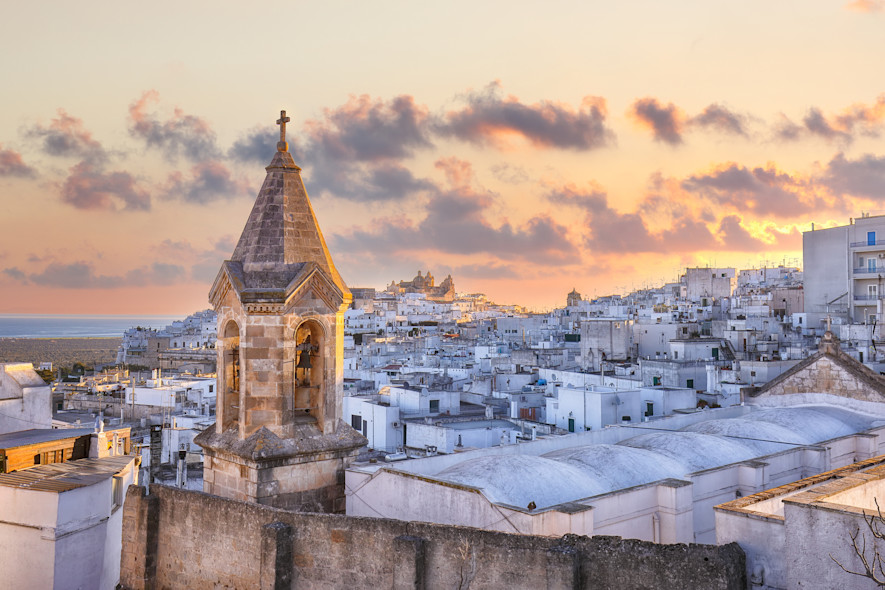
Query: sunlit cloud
[(179, 134), (861, 177), (489, 118), (720, 118), (82, 275), (12, 164), (66, 136), (88, 187), (666, 122), (455, 222), (367, 129), (206, 183)]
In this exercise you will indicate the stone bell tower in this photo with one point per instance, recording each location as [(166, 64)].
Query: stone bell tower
[(279, 438)]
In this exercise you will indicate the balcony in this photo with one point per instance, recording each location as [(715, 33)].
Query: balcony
[(870, 298), (868, 270), (867, 243)]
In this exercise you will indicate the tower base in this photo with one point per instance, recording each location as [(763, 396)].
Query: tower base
[(303, 473)]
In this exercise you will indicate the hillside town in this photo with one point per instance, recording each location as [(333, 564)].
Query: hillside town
[(725, 415)]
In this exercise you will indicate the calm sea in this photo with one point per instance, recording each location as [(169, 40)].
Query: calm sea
[(76, 326)]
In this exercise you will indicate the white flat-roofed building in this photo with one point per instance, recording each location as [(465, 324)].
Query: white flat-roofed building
[(61, 525)]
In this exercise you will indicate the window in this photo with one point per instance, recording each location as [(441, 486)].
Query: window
[(860, 261), (434, 405), (871, 264), (356, 421), (873, 291), (675, 354), (211, 388), (649, 409), (689, 383), (656, 381), (871, 238), (118, 490)]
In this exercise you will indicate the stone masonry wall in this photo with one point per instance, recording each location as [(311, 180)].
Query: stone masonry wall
[(181, 539), (826, 376)]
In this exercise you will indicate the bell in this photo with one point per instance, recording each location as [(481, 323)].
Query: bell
[(304, 360)]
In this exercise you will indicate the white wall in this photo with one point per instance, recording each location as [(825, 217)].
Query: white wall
[(63, 540), (24, 399)]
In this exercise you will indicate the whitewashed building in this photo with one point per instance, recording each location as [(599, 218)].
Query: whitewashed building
[(61, 525)]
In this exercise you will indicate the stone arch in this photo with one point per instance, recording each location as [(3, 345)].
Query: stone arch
[(310, 366), (231, 384)]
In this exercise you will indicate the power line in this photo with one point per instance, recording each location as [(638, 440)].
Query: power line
[(780, 442)]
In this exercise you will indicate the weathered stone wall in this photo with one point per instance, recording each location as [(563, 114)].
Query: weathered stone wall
[(826, 375), (182, 539)]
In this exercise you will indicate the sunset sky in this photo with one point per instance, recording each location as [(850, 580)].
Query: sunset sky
[(524, 147)]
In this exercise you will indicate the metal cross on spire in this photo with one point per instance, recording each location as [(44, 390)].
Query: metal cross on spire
[(282, 146)]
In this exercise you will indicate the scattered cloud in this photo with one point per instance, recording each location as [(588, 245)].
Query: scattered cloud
[(207, 182), (12, 164), (180, 134), (82, 275), (862, 177), (510, 174), (763, 191), (721, 119), (488, 118), (665, 122), (856, 120), (16, 273), (610, 231), (490, 271), (257, 145), (66, 136), (366, 129), (455, 223), (203, 263), (88, 187)]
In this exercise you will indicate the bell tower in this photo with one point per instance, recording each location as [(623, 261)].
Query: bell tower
[(279, 438)]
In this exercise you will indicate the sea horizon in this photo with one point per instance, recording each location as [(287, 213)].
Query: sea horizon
[(78, 325)]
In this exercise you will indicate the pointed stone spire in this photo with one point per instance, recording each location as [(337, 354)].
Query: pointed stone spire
[(282, 233)]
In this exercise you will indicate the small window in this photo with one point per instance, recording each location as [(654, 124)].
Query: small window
[(211, 388), (689, 383), (675, 354), (434, 405), (356, 421), (118, 490)]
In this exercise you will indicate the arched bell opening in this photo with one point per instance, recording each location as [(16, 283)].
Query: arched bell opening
[(309, 370), (231, 371)]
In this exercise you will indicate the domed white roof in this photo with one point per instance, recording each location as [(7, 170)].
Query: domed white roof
[(620, 466), (521, 479), (696, 451)]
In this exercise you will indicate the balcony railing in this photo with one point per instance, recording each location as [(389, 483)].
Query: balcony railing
[(867, 243), (866, 297), (865, 270)]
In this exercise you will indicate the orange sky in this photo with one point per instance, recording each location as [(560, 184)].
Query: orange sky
[(525, 149)]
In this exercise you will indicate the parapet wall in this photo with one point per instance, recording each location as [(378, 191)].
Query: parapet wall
[(182, 539)]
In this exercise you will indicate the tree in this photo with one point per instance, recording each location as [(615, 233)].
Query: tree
[(873, 567)]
